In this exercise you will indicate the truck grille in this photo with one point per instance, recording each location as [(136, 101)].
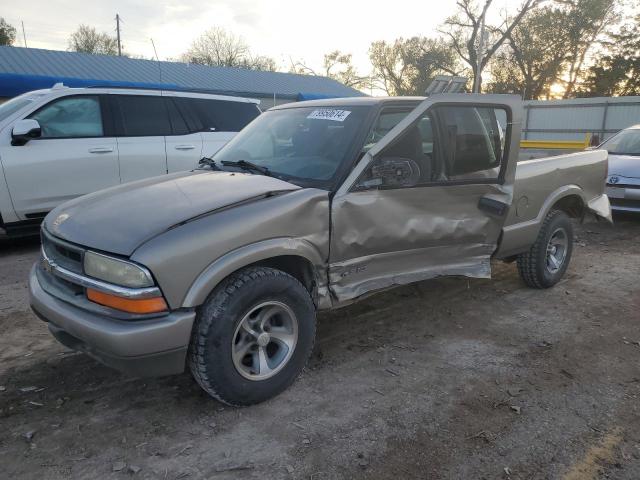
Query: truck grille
[(64, 254), (67, 256)]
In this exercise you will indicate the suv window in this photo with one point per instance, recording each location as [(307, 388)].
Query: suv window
[(142, 116), (71, 117), (178, 124), (448, 144), (219, 115)]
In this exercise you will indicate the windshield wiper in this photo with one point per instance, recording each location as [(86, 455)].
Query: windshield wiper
[(245, 165), (208, 162)]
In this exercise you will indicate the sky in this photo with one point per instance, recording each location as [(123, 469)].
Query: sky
[(282, 29)]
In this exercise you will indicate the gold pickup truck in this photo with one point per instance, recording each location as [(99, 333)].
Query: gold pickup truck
[(312, 206)]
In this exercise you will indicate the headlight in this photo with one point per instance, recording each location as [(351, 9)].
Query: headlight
[(118, 272)]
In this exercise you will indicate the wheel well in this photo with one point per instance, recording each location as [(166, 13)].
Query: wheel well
[(572, 205), (298, 267)]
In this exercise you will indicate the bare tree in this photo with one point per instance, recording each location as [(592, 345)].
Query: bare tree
[(87, 39), (464, 31), (336, 65), (407, 66), (220, 48)]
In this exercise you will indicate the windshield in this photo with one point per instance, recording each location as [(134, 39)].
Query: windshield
[(17, 103), (307, 143), (627, 142)]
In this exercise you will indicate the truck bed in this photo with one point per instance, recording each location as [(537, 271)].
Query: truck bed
[(576, 180)]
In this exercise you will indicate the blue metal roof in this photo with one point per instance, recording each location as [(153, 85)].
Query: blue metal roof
[(25, 69)]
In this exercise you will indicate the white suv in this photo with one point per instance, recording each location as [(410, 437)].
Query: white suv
[(60, 143)]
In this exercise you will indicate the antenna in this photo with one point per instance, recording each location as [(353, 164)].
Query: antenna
[(157, 59), (24, 35)]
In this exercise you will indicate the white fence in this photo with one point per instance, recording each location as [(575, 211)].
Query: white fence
[(574, 119)]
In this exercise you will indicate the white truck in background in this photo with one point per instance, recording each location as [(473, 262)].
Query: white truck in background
[(60, 143)]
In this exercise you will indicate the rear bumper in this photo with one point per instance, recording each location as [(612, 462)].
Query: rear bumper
[(150, 347)]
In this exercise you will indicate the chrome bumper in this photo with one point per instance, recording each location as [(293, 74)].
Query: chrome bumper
[(146, 347)]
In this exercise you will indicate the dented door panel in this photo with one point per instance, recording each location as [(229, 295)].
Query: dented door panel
[(383, 238)]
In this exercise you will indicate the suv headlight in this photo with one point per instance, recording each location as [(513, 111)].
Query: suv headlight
[(116, 271)]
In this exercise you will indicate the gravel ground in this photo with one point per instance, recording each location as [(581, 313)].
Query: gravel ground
[(445, 379)]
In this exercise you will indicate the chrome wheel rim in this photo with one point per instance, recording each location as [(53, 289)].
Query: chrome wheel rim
[(264, 340), (557, 250)]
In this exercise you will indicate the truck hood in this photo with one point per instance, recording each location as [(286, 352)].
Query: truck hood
[(119, 219), (624, 166)]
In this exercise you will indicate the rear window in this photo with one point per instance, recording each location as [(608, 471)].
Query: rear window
[(218, 115), (142, 116)]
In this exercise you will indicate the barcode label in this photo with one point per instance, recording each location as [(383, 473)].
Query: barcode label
[(329, 114)]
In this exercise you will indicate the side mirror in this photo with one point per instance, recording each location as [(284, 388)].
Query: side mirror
[(25, 130), (391, 172)]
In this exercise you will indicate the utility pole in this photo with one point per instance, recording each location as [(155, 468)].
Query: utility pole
[(477, 79), (24, 35), (118, 33)]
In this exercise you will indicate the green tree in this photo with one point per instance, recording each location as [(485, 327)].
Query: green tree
[(87, 39), (617, 72), (7, 33), (407, 66), (219, 48), (550, 48), (534, 56), (588, 23), (336, 65)]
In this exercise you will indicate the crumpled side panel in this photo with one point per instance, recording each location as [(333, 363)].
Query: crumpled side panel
[(411, 266), (382, 238)]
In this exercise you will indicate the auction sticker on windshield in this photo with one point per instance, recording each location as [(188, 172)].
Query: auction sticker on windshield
[(329, 114)]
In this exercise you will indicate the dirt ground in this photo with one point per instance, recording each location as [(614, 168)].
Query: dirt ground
[(446, 379)]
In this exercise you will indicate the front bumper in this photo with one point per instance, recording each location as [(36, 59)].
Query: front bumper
[(146, 347), (624, 198)]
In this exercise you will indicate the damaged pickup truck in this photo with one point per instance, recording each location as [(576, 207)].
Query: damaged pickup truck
[(312, 206)]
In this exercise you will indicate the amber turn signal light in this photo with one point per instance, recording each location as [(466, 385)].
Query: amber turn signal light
[(141, 305)]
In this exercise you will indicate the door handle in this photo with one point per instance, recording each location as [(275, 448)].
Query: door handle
[(492, 206), (101, 150), (185, 147)]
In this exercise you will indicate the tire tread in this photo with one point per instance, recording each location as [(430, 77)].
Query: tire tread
[(528, 262)]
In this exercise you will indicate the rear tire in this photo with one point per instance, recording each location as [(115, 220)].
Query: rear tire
[(548, 258), (253, 336)]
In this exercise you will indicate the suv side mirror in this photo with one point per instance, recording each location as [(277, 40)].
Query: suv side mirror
[(391, 172), (25, 130)]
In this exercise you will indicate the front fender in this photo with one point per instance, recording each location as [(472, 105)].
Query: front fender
[(224, 266)]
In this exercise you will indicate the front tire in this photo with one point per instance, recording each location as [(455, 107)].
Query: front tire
[(253, 336), (548, 258)]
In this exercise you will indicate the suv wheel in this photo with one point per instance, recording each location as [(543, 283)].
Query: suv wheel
[(548, 258), (253, 336)]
